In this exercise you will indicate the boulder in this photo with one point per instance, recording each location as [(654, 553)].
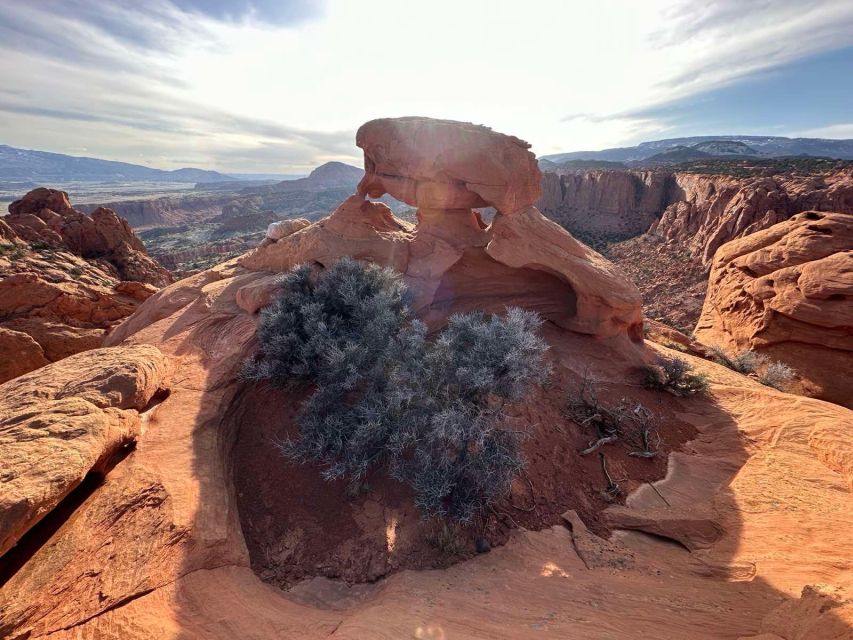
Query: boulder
[(443, 164), (282, 228), (19, 353), (786, 292)]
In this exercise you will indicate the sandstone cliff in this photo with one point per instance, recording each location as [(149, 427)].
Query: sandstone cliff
[(607, 204), (663, 228), (697, 211), (711, 210)]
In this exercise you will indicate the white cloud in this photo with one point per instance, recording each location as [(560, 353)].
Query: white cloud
[(836, 131), (248, 95)]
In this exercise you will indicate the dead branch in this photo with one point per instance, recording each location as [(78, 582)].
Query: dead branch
[(598, 444), (613, 489)]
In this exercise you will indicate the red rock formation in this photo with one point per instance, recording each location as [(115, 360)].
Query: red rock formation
[(62, 280), (696, 211), (46, 216), (787, 292), (712, 210), (759, 501), (442, 164)]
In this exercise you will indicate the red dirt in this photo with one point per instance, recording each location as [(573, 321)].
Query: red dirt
[(297, 525)]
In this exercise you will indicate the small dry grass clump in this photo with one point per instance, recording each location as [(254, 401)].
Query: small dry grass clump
[(745, 362), (674, 376), (627, 421), (770, 373), (445, 537), (777, 375)]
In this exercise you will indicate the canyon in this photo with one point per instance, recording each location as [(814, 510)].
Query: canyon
[(663, 227)]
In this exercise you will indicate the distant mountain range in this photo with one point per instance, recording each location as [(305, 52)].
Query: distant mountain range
[(25, 165), (674, 150)]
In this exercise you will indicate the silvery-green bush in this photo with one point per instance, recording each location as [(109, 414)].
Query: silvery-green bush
[(777, 375), (427, 410)]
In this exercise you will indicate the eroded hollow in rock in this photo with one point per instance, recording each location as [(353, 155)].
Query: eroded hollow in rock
[(477, 282), (298, 526)]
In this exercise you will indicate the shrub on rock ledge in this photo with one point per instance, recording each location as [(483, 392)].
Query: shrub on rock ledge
[(429, 411), (674, 376)]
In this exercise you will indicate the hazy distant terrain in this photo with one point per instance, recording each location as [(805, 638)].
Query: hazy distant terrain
[(22, 165), (697, 147)]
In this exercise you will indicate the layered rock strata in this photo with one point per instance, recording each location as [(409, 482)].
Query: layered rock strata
[(787, 292)]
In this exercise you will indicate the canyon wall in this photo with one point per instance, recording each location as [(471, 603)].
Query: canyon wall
[(699, 211), (617, 204)]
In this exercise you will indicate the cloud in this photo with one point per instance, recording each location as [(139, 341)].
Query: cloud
[(239, 83), (273, 11), (112, 69), (723, 65), (833, 131)]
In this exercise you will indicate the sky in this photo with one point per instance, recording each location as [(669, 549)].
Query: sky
[(281, 86)]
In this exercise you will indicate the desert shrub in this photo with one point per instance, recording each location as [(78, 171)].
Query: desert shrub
[(777, 375), (316, 330), (745, 362), (429, 411), (674, 376)]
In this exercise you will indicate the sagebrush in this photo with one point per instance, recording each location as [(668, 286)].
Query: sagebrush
[(429, 411)]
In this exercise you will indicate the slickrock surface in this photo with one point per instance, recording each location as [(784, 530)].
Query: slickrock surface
[(65, 280), (761, 498), (66, 421), (747, 536), (787, 292)]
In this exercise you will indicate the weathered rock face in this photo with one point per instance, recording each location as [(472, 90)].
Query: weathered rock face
[(787, 292), (712, 210), (46, 216), (611, 204), (64, 422), (443, 164), (54, 301)]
